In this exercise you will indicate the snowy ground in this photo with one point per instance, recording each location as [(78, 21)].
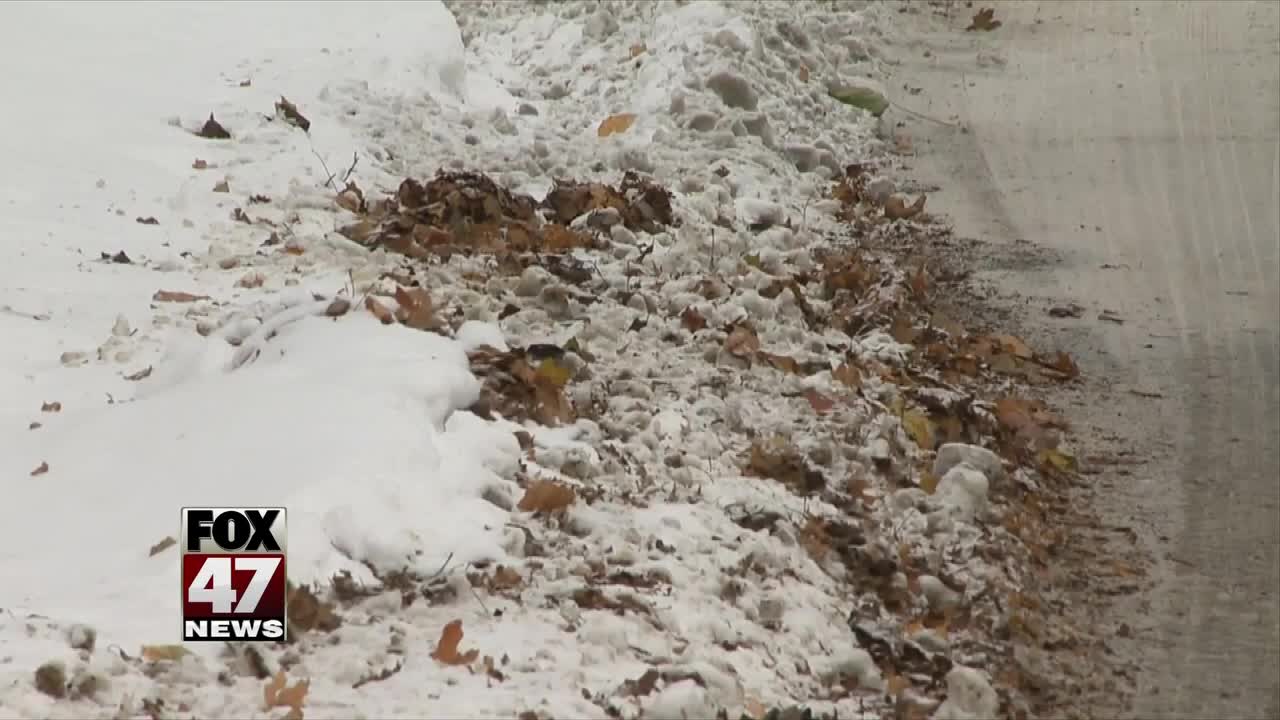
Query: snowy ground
[(248, 394)]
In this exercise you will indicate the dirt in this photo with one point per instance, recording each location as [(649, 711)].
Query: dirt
[(1125, 158)]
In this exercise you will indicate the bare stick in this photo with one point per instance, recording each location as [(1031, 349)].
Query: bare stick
[(922, 116), (347, 175), (329, 176)]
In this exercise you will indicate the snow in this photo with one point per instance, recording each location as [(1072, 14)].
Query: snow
[(252, 395)]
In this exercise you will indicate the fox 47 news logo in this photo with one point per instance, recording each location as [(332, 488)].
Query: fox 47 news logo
[(233, 574)]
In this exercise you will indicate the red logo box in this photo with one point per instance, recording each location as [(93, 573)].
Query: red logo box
[(233, 574)]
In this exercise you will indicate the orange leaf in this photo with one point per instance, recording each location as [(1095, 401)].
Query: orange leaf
[(278, 693), (742, 342), (820, 403), (544, 496), (416, 310), (614, 124), (446, 650)]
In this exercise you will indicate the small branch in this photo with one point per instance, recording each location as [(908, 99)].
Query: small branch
[(329, 176), (922, 116), (347, 175)]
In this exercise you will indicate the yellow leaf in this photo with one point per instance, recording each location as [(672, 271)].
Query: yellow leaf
[(920, 428), (1060, 460), (929, 482), (615, 124), (156, 653), (556, 373)]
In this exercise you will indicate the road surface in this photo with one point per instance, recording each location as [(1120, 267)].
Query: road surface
[(1142, 141)]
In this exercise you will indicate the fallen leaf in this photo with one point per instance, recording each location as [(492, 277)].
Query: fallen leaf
[(161, 546), (742, 342), (446, 651), (848, 375), (638, 49), (380, 311), (222, 186), (692, 320), (142, 374), (1063, 363), (199, 164), (546, 496), (984, 20), (291, 114), (158, 653), (149, 220), (1014, 346), (820, 403), (929, 482), (416, 309), (213, 130), (1058, 459), (42, 469), (229, 263), (252, 279), (803, 73), (896, 208), (554, 372), (1070, 310), (278, 693), (338, 307), (176, 296), (920, 428), (614, 124), (34, 425), (1110, 316), (54, 406), (505, 578)]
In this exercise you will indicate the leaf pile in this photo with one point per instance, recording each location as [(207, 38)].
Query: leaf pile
[(468, 213), (523, 384)]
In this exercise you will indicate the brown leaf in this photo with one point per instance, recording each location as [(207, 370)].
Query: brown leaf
[(278, 693), (161, 546), (149, 220), (781, 362), (380, 311), (638, 49), (222, 186), (34, 425), (1015, 347), (848, 375), (895, 208), (1063, 363), (42, 469), (291, 114), (176, 296), (984, 20), (505, 578), (199, 164), (415, 309), (54, 406), (614, 124), (920, 283), (742, 342), (692, 320), (142, 374), (337, 307), (213, 130), (820, 403), (546, 496), (446, 651)]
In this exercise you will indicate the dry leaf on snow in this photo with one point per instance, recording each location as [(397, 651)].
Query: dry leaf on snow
[(380, 311), (291, 114), (161, 546), (692, 320), (415, 309), (742, 342), (985, 20), (614, 124), (42, 469), (156, 653), (820, 403), (920, 428), (176, 296), (545, 496), (895, 208), (278, 693), (213, 130), (446, 650), (1015, 346), (337, 307), (54, 406)]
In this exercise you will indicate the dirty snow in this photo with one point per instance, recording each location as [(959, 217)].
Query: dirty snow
[(250, 394)]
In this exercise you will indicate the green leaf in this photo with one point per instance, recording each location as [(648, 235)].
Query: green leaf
[(863, 98)]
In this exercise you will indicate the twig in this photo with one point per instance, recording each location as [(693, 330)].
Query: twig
[(355, 158), (922, 116), (383, 674), (329, 179)]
